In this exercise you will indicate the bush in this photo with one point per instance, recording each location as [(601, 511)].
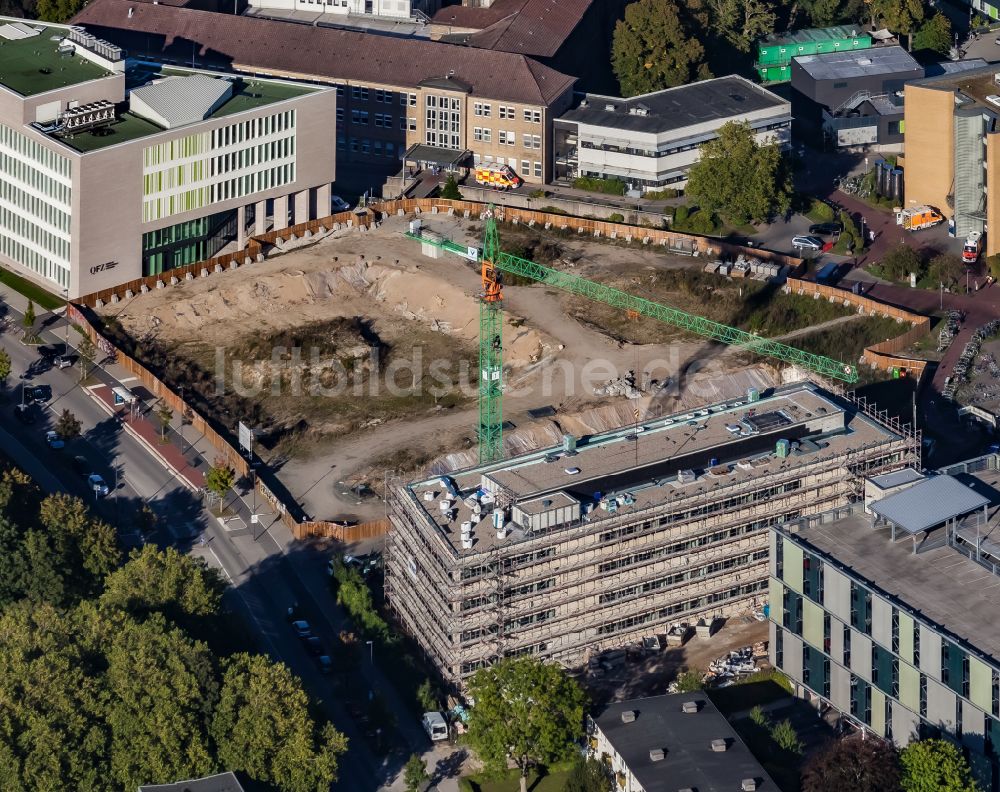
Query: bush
[(785, 736), (615, 217), (689, 681), (450, 190), (902, 260), (680, 215), (946, 268), (607, 186), (820, 212), (759, 717), (660, 195)]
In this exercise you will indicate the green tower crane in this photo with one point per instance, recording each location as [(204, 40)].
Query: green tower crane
[(495, 262)]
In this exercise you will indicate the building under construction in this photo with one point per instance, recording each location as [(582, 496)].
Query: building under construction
[(601, 542)]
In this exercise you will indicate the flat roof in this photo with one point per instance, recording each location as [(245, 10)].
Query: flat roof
[(897, 478), (938, 584), (928, 504), (676, 108), (686, 741), (249, 93), (221, 782), (836, 33), (858, 63), (33, 65), (971, 85), (644, 468)]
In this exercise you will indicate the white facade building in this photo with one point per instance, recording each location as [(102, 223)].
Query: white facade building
[(650, 141)]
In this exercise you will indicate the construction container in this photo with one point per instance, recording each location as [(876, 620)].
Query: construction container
[(775, 52), (569, 444), (782, 448), (753, 395)]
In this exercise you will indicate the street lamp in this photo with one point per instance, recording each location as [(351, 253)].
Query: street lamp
[(371, 651)]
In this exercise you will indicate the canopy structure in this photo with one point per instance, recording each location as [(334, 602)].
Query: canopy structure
[(930, 503)]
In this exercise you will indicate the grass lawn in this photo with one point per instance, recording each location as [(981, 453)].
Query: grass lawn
[(781, 765), (553, 782), (32, 291)]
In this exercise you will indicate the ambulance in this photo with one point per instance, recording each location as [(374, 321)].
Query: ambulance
[(497, 176)]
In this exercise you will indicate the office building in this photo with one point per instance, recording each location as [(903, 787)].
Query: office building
[(855, 97), (398, 99), (953, 150), (775, 52), (886, 611), (676, 742), (651, 141), (113, 169), (568, 551)]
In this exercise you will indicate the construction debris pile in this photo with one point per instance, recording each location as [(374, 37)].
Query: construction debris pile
[(723, 671), (622, 386)]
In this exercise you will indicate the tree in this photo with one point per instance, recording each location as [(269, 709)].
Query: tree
[(652, 50), (59, 10), (947, 269), (263, 728), (164, 415), (428, 696), (899, 16), (88, 354), (857, 765), (450, 189), (741, 22), (415, 773), (166, 581), (28, 320), (900, 262), (220, 478), (689, 681), (935, 766), (588, 776), (934, 35), (4, 366), (68, 425), (87, 545), (745, 180), (526, 711)]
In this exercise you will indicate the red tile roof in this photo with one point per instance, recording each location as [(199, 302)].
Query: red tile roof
[(326, 54), (529, 27)]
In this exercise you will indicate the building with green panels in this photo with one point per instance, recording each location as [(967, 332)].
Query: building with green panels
[(886, 611), (775, 52), (987, 8), (113, 168)]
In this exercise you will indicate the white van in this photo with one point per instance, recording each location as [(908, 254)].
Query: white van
[(436, 726)]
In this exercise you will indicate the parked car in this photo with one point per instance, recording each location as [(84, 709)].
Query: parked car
[(325, 664), (338, 204), (826, 228), (96, 482), (807, 243), (24, 413), (436, 726), (63, 361), (302, 628), (81, 465), (39, 393), (54, 440), (315, 646)]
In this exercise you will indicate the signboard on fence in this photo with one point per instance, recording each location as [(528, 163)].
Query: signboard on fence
[(246, 438)]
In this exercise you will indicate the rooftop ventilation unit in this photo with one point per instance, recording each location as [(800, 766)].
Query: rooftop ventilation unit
[(749, 785), (689, 707), (864, 61), (88, 116), (628, 716), (719, 745), (610, 107), (103, 48), (656, 754)]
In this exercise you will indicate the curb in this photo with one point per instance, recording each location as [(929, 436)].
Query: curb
[(145, 443)]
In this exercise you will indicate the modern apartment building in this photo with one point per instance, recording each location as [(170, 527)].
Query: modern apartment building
[(398, 99), (572, 550), (651, 141), (886, 611), (953, 150), (113, 169)]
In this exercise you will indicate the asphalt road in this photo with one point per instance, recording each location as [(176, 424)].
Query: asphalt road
[(268, 572)]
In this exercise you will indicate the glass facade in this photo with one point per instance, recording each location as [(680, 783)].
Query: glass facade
[(190, 242)]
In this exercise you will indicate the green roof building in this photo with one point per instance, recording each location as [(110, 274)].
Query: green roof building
[(775, 52)]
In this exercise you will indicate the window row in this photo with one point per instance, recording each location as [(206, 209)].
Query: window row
[(28, 257), (17, 225), (367, 146), (31, 205), (14, 168), (229, 189), (26, 148)]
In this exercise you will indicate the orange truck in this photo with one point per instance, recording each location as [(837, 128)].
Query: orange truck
[(918, 217), (497, 176)]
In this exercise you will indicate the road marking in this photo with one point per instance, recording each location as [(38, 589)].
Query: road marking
[(127, 379)]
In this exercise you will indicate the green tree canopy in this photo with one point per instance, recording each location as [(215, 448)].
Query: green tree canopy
[(741, 22), (745, 180), (589, 776), (415, 773), (262, 727), (4, 365), (87, 546), (947, 269), (220, 478), (68, 425), (900, 262), (526, 711), (824, 13), (652, 50), (934, 35), (935, 766), (449, 190), (857, 765), (900, 16), (59, 10)]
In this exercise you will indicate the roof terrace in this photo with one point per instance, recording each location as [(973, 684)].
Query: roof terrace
[(32, 62)]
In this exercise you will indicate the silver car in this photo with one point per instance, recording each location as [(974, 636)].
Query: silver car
[(807, 243)]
